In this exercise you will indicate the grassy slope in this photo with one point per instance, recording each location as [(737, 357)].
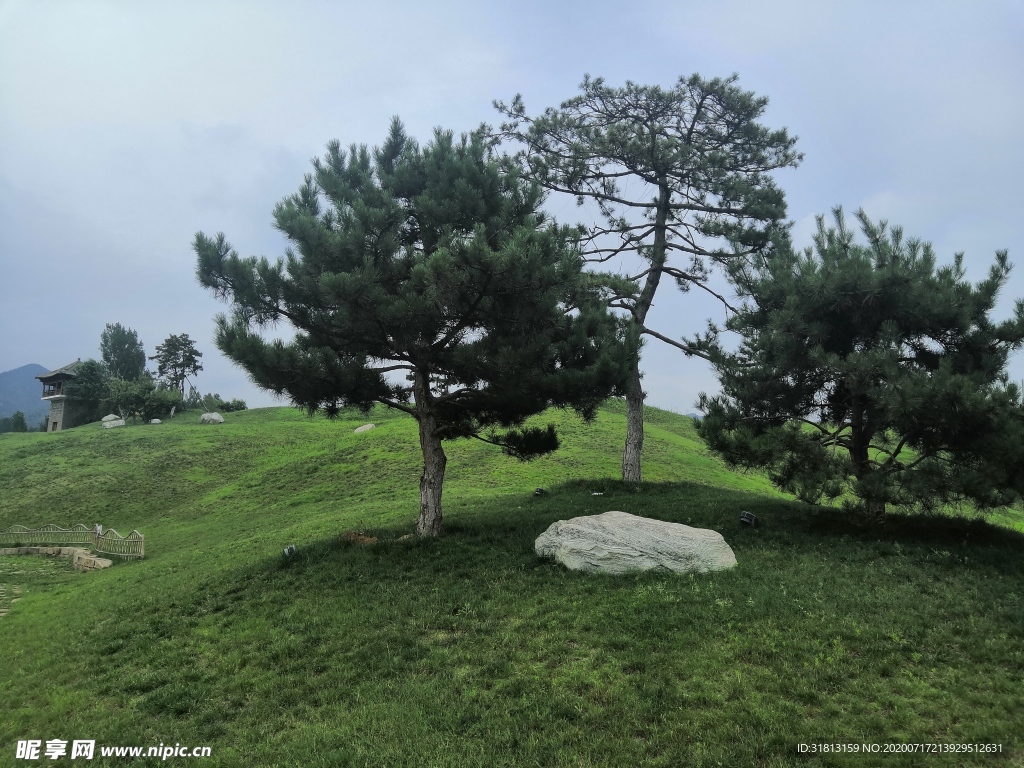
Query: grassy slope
[(469, 650)]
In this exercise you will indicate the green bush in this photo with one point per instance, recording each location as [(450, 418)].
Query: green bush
[(143, 398), (213, 402), (159, 401)]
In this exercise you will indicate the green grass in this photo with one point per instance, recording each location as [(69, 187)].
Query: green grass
[(469, 650)]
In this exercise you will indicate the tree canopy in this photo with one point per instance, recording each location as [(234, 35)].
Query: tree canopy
[(86, 393), (18, 423), (425, 279), (142, 398), (868, 369), (681, 171), (122, 352), (177, 359)]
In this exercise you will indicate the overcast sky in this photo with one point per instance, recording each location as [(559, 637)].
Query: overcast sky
[(127, 127)]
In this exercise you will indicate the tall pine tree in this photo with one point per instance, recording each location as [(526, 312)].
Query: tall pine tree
[(177, 359), (436, 265), (867, 369), (678, 174)]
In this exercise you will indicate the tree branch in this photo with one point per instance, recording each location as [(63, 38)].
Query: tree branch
[(687, 349), (397, 406), (680, 275)]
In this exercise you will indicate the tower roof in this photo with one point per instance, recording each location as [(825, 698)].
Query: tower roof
[(67, 370)]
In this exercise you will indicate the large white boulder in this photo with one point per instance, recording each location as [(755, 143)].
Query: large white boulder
[(364, 428), (112, 424), (110, 417), (211, 418), (618, 542)]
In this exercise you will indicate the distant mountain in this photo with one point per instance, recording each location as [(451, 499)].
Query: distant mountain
[(20, 391)]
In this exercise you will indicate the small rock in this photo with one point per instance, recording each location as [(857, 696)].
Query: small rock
[(749, 518), (112, 424), (155, 421), (364, 428), (83, 561), (406, 537), (110, 417), (540, 492), (211, 418)]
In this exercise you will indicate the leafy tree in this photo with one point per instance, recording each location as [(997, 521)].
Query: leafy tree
[(868, 369), (434, 263), (194, 400), (682, 171), (6, 425), (122, 352), (128, 398), (86, 393), (143, 398), (159, 401), (18, 423), (177, 359)]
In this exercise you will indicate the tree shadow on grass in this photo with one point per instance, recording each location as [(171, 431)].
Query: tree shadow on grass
[(358, 612), (497, 534)]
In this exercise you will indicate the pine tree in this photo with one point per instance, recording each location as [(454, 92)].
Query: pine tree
[(122, 352), (682, 171), (18, 423), (177, 359), (867, 369), (434, 264)]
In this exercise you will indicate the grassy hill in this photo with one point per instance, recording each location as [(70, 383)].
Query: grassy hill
[(469, 650)]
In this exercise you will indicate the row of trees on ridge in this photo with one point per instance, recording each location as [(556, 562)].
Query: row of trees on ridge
[(429, 279), (14, 423), (120, 383)]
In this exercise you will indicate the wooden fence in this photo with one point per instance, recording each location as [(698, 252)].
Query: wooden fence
[(48, 534), (108, 542)]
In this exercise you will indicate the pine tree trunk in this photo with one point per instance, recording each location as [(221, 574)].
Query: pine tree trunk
[(860, 441), (434, 462), (631, 471), (876, 509)]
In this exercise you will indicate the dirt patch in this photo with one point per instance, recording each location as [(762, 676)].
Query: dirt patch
[(358, 537)]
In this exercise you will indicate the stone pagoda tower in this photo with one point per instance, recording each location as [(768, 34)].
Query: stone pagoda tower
[(53, 390)]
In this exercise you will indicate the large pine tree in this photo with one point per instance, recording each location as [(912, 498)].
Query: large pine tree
[(869, 369), (177, 359), (427, 280)]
